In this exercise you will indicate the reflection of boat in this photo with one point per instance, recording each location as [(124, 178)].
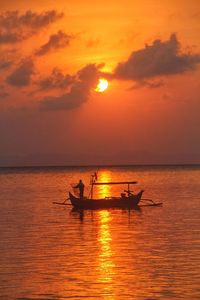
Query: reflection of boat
[(125, 200)]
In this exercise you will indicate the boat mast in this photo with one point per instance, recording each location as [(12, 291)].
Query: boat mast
[(128, 189), (92, 181)]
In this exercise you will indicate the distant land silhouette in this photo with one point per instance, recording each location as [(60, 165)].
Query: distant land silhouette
[(122, 158)]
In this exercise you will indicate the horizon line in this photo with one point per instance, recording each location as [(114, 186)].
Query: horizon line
[(103, 165)]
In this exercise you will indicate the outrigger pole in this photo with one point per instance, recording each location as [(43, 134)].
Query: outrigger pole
[(118, 182), (115, 182)]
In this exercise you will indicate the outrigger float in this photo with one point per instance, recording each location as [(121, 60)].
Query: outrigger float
[(126, 200)]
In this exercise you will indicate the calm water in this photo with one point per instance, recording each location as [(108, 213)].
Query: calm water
[(48, 251)]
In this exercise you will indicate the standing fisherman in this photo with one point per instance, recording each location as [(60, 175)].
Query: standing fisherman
[(80, 186)]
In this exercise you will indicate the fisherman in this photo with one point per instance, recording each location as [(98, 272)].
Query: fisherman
[(80, 186)]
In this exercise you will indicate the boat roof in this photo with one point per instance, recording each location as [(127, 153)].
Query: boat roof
[(115, 182)]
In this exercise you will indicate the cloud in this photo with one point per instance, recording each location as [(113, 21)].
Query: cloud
[(11, 19), (84, 81), (21, 76), (56, 41), (7, 58), (152, 84), (16, 27), (5, 64), (10, 37), (56, 80), (160, 58)]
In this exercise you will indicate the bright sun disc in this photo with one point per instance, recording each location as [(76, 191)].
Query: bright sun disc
[(102, 85)]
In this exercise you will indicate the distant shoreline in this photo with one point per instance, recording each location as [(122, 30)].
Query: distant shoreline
[(101, 166)]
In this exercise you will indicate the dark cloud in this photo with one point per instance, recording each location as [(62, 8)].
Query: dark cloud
[(8, 57), (11, 19), (4, 64), (21, 76), (10, 37), (85, 80), (160, 58), (56, 80), (153, 84), (56, 41), (15, 27)]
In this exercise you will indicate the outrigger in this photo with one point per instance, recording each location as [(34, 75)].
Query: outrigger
[(126, 200)]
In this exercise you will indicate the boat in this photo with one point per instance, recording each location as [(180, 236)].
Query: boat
[(126, 199), (130, 201)]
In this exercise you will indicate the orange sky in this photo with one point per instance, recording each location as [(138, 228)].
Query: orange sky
[(51, 59)]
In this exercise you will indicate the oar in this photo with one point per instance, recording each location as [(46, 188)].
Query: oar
[(150, 200), (149, 204), (62, 203), (146, 199)]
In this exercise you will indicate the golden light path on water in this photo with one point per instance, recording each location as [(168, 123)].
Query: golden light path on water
[(105, 257), (104, 190)]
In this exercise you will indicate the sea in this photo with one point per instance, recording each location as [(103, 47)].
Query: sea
[(50, 251)]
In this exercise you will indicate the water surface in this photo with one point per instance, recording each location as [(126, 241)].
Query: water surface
[(49, 251)]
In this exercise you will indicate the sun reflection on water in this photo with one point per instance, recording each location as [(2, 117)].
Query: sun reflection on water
[(105, 259), (104, 190)]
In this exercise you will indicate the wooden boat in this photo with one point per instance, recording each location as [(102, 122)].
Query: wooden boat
[(130, 201), (125, 200)]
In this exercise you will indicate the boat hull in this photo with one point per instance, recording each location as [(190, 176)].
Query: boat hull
[(125, 202)]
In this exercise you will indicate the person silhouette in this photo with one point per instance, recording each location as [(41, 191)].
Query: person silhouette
[(80, 186)]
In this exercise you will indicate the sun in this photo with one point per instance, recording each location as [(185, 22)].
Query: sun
[(102, 85)]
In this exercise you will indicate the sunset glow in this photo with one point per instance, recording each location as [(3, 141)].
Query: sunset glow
[(102, 85), (100, 149), (99, 82)]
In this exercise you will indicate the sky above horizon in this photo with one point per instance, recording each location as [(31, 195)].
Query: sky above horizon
[(52, 56)]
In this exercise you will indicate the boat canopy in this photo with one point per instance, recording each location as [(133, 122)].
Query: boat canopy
[(113, 182)]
